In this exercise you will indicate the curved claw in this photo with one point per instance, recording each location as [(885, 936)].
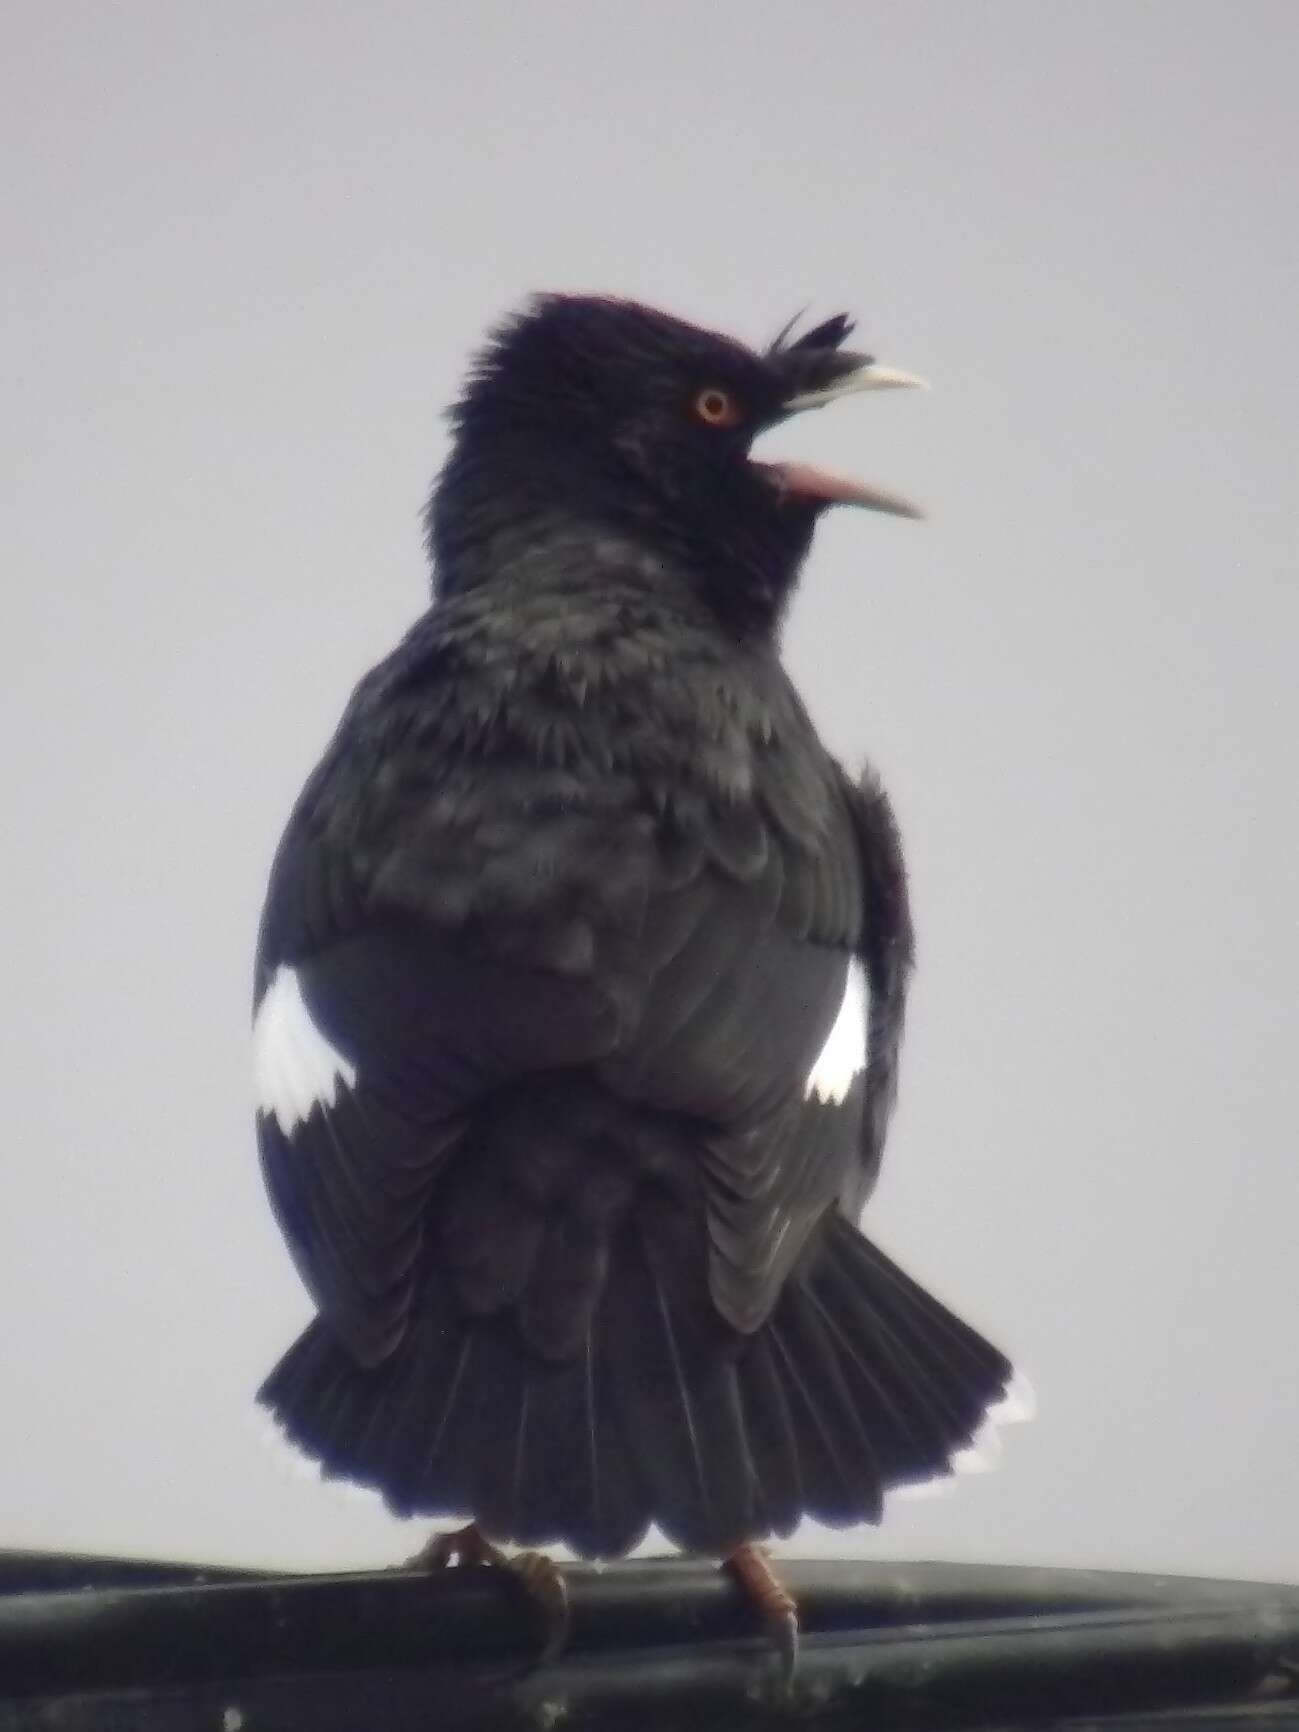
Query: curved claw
[(771, 1599), (539, 1582), (546, 1592)]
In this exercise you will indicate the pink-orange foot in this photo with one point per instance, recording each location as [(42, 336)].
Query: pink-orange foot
[(539, 1578), (771, 1599)]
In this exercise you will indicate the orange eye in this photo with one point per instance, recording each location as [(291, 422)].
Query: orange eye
[(717, 408)]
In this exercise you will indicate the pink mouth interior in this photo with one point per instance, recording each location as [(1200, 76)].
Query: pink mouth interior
[(809, 482)]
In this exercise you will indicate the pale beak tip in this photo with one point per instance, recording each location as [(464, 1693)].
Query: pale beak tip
[(893, 379), (901, 508), (870, 376)]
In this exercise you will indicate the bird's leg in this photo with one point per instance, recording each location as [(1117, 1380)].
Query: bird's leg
[(540, 1579), (771, 1599)]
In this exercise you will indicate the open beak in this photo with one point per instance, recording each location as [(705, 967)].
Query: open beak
[(859, 373)]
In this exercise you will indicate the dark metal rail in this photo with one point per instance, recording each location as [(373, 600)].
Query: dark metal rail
[(89, 1644)]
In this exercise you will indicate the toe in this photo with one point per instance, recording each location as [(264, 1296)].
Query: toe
[(546, 1591), (773, 1602)]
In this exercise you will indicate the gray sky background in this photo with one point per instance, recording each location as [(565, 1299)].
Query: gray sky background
[(248, 248)]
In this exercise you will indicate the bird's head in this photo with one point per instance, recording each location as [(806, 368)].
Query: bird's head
[(619, 417)]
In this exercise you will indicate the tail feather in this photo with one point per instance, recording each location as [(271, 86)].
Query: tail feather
[(903, 1304), (551, 1480), (780, 1501), (860, 1381), (494, 1434), (346, 1413), (420, 1397), (841, 1473), (923, 1379), (547, 1462), (906, 1437), (673, 1382), (945, 1362), (440, 1462), (911, 1415)]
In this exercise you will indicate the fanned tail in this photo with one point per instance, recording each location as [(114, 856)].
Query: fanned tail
[(465, 1421), (859, 1382)]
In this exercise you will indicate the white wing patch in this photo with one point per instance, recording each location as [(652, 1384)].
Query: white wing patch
[(843, 1057), (295, 1067)]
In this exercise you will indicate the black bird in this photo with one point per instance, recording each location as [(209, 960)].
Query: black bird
[(580, 987)]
